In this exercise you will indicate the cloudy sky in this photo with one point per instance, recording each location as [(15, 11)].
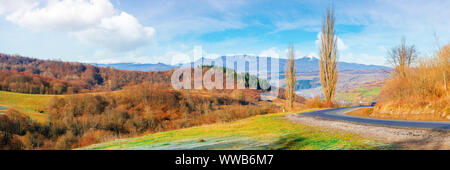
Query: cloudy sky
[(111, 31)]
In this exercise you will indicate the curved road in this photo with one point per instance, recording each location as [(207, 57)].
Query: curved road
[(340, 114)]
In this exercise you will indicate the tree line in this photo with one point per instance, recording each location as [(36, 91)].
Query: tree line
[(34, 76), (79, 120)]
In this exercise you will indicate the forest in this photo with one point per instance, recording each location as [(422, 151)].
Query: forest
[(34, 76), (110, 104), (80, 120)]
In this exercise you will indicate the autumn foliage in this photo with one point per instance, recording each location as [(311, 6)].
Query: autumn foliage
[(143, 102), (34, 76), (422, 92), (80, 120)]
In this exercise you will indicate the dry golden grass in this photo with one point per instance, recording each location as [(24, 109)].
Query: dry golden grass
[(363, 112), (421, 94), (406, 115), (316, 102)]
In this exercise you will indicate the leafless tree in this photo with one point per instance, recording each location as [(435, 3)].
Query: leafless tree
[(328, 57), (443, 56), (444, 63), (401, 57), (290, 78)]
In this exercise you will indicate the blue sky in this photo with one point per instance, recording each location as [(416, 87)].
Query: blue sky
[(110, 31)]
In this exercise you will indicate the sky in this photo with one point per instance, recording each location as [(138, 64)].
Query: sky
[(166, 31)]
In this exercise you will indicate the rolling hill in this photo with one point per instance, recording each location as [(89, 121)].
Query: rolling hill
[(352, 75), (261, 132)]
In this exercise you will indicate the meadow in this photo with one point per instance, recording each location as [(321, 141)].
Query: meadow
[(367, 93), (32, 121), (32, 105), (270, 131)]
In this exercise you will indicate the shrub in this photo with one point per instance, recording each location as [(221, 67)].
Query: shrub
[(80, 120), (422, 90)]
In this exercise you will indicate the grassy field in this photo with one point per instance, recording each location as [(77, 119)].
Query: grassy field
[(32, 105), (29, 104), (270, 131), (365, 94)]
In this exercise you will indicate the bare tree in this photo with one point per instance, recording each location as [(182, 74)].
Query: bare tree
[(328, 57), (401, 57), (290, 78), (444, 63), (443, 56)]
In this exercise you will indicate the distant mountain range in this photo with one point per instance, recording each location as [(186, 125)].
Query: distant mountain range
[(351, 75), (303, 65), (138, 67)]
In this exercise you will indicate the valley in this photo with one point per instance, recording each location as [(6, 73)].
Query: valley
[(351, 76)]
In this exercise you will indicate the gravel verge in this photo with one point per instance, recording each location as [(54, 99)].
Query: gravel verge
[(404, 138)]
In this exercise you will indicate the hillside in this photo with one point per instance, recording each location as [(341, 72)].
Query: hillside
[(31, 105), (69, 121), (260, 132), (34, 76), (367, 93), (91, 112), (352, 75), (418, 92)]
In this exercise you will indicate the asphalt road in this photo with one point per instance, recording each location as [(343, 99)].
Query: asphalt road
[(340, 114)]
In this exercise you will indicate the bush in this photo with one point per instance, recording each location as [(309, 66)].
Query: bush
[(424, 88), (81, 120), (317, 102)]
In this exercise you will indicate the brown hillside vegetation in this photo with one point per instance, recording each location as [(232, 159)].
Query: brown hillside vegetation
[(34, 76), (147, 103), (81, 120), (421, 94)]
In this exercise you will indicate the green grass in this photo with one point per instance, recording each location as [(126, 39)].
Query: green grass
[(29, 104), (373, 91), (260, 132), (365, 94)]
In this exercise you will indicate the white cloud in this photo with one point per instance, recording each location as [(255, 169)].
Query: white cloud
[(412, 14), (386, 22), (363, 58), (105, 56), (271, 52), (64, 15), (8, 6), (91, 21), (312, 55), (340, 44), (188, 55), (121, 31), (179, 57), (194, 17), (195, 25)]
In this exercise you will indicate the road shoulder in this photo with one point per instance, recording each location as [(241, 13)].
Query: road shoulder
[(408, 138)]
